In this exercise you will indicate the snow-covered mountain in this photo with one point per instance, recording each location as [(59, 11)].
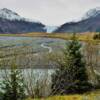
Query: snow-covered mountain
[(89, 23), (11, 22), (8, 14), (92, 13), (11, 15)]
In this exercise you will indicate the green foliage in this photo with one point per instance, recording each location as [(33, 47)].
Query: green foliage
[(12, 87), (71, 77)]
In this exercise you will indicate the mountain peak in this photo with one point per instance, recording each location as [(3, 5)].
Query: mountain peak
[(9, 14), (11, 22), (7, 11), (92, 13)]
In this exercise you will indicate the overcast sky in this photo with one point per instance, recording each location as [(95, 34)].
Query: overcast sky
[(51, 12)]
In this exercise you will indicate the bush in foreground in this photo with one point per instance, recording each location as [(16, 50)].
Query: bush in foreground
[(71, 77), (12, 87)]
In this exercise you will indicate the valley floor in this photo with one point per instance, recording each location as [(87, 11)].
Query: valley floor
[(82, 37), (66, 36)]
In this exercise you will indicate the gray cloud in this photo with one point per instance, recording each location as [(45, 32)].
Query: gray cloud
[(51, 12)]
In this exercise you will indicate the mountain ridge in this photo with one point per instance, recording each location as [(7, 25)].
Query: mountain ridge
[(11, 22), (89, 23)]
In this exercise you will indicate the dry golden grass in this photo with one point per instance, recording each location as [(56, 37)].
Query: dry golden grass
[(86, 37), (67, 36), (94, 95), (81, 36)]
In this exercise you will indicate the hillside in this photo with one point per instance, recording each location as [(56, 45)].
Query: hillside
[(11, 22), (89, 23)]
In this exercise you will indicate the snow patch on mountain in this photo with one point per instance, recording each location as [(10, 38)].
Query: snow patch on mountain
[(50, 29), (10, 15), (92, 13)]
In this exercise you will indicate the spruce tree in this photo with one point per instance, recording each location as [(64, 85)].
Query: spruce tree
[(71, 76), (12, 87)]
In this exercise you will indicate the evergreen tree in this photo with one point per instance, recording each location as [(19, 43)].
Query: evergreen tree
[(12, 86), (71, 76)]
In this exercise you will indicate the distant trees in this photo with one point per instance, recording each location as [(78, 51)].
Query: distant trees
[(96, 36), (71, 76), (12, 87)]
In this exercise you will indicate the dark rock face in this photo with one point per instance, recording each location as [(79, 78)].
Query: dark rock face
[(20, 26)]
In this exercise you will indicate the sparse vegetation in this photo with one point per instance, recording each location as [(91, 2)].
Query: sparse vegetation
[(26, 58)]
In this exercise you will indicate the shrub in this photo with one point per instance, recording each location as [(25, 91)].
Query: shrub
[(12, 87), (71, 77), (96, 36)]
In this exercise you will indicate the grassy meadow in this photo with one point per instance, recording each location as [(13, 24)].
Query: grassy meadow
[(66, 36), (89, 96), (80, 36)]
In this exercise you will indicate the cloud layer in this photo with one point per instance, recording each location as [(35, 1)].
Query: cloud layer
[(51, 12)]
